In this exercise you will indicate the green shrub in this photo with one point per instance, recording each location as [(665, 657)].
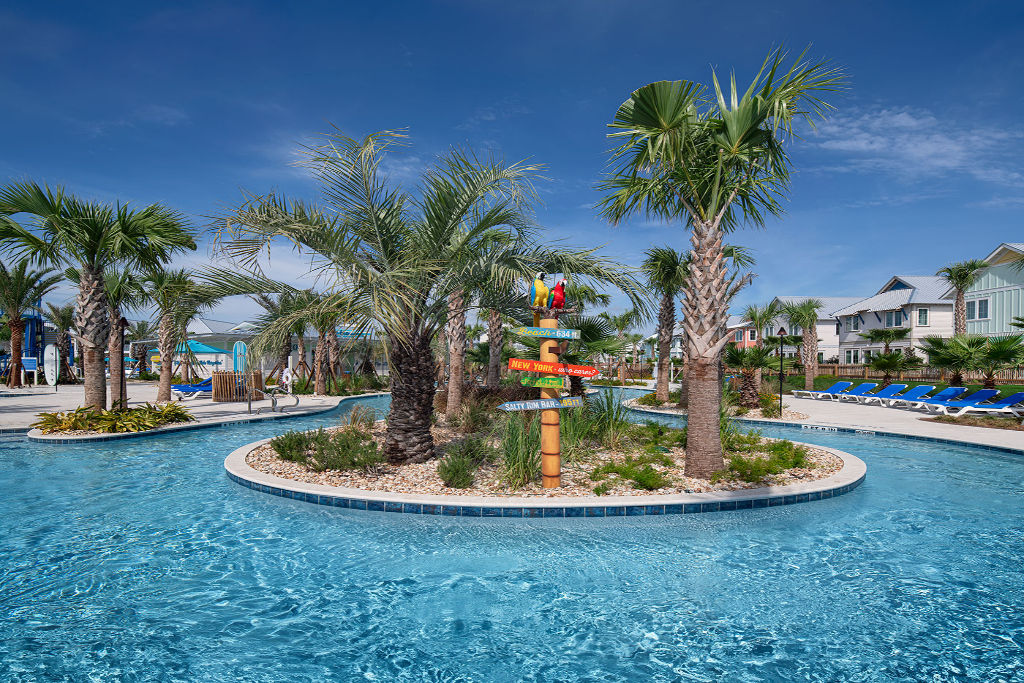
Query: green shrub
[(649, 400), (475, 449), (611, 425), (474, 417), (348, 448), (457, 470), (577, 430), (139, 419), (602, 488), (781, 456), (359, 416), (292, 445), (520, 445), (770, 405), (638, 470)]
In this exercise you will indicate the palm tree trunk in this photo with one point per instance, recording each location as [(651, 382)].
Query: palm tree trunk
[(282, 356), (705, 311), (960, 313), (17, 327), (165, 346), (115, 344), (408, 438), (320, 364), (93, 327), (810, 356), (64, 345), (666, 323), (749, 389), (456, 333), (301, 367), (495, 342), (334, 355)]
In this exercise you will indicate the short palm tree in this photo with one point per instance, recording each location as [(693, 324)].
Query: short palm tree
[(21, 288), (666, 271), (749, 361), (960, 277), (891, 363), (804, 314), (761, 318), (138, 335), (999, 354), (958, 354), (622, 323), (886, 336), (63, 320), (66, 231), (714, 163)]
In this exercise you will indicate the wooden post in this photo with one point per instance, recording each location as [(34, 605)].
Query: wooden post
[(550, 435)]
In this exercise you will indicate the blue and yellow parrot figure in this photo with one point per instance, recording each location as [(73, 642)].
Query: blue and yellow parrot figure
[(538, 296)]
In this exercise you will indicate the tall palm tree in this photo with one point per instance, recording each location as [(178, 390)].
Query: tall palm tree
[(960, 277), (169, 291), (805, 314), (63, 320), (666, 271), (394, 259), (21, 289), (749, 361), (67, 231), (714, 162), (886, 336)]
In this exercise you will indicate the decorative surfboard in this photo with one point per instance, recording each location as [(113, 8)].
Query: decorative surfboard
[(552, 368), (544, 382), (541, 404), (546, 332)]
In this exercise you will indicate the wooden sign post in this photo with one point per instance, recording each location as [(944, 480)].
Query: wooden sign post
[(550, 427)]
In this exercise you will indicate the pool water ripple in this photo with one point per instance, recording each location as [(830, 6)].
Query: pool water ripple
[(141, 560)]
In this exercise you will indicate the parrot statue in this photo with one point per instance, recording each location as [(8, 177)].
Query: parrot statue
[(556, 298), (538, 296)]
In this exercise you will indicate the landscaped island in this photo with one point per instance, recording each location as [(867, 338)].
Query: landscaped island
[(603, 454), (87, 420)]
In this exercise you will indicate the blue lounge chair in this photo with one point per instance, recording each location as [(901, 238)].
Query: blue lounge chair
[(859, 390), (187, 391), (943, 407), (947, 394), (1004, 406), (830, 392), (885, 392), (914, 393)]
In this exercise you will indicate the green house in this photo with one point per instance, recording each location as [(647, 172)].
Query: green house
[(998, 295)]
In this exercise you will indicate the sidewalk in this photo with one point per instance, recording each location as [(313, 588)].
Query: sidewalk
[(19, 407), (900, 421)]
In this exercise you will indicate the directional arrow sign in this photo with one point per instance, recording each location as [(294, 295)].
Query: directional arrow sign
[(544, 382), (546, 333), (541, 404), (552, 368)]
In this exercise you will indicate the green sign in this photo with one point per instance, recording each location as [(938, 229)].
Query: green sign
[(544, 382), (546, 332)]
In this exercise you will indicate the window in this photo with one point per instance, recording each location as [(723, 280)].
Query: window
[(852, 356), (821, 356), (867, 355), (922, 317), (970, 310), (738, 337), (753, 335), (853, 323), (838, 328), (982, 309), (888, 319), (894, 318), (977, 309)]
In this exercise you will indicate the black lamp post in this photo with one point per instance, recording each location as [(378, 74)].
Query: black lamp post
[(782, 374)]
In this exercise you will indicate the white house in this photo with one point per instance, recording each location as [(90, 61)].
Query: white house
[(998, 296), (917, 302), (828, 329)]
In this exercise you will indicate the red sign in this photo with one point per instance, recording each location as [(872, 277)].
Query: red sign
[(552, 368)]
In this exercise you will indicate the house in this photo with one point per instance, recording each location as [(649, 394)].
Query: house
[(828, 329), (917, 302), (998, 295), (742, 334)]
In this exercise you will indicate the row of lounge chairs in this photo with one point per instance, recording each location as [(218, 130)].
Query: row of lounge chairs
[(950, 401)]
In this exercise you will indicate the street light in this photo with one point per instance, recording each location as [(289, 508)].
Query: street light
[(782, 375)]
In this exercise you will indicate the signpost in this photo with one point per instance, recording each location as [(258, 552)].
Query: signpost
[(542, 404), (51, 364), (544, 382), (552, 366), (546, 333)]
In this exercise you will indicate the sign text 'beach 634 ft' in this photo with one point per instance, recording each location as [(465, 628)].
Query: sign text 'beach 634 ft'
[(552, 368), (546, 332)]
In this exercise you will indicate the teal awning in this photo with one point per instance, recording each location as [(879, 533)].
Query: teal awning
[(199, 347)]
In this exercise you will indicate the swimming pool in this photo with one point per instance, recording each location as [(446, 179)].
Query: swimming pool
[(141, 560)]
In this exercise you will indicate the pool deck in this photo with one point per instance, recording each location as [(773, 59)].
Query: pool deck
[(18, 408)]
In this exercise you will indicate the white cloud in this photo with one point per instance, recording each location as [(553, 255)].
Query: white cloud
[(915, 145)]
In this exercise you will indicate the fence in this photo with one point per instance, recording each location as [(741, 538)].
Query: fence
[(926, 373), (235, 386)]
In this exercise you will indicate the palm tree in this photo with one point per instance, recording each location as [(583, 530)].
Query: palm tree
[(21, 288), (960, 277), (750, 362), (999, 354), (67, 231), (761, 318), (621, 323), (138, 335), (715, 163), (1018, 322), (63, 320), (666, 271), (886, 336), (893, 363), (804, 314), (169, 291), (959, 354), (395, 259)]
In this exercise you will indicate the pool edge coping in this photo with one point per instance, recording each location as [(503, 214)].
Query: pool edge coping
[(849, 477)]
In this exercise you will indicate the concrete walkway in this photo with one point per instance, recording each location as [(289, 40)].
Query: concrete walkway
[(900, 421), (19, 407)]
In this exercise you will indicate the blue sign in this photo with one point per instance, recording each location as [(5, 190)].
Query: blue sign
[(238, 353), (29, 364)]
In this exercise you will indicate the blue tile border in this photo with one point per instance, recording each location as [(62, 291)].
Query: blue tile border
[(546, 511)]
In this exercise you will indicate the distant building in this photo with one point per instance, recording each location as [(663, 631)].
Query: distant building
[(998, 295), (828, 328)]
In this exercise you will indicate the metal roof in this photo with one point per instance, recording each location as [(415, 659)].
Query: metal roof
[(830, 304), (918, 289)]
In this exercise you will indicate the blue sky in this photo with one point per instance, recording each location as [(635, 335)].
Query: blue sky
[(922, 164)]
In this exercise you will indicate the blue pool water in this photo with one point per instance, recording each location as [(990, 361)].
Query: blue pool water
[(140, 560)]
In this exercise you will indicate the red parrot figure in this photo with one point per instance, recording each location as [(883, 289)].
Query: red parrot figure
[(557, 297)]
